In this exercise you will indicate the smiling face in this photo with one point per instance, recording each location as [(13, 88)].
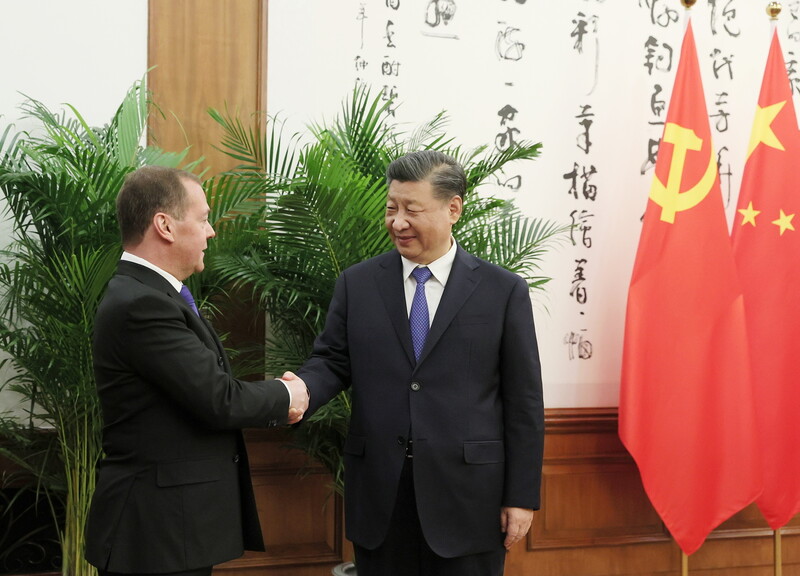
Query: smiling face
[(191, 233), (419, 223)]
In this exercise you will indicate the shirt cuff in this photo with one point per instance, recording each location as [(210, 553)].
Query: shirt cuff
[(287, 390)]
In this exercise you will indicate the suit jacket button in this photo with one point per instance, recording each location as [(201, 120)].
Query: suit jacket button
[(415, 386), (236, 459), (220, 361)]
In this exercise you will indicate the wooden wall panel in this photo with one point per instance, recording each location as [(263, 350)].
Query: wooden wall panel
[(204, 53), (596, 519), (300, 516)]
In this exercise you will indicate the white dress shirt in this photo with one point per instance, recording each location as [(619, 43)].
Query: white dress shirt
[(434, 288), (177, 284)]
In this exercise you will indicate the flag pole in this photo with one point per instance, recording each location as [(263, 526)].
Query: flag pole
[(773, 10), (688, 5)]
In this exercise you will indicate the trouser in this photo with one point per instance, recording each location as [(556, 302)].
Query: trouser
[(405, 552)]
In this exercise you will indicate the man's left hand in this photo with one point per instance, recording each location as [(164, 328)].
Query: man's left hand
[(515, 523)]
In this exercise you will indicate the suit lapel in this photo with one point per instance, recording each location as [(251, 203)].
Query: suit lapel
[(389, 282), (154, 280), (147, 277)]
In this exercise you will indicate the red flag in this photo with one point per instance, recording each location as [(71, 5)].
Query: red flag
[(685, 411), (766, 247)]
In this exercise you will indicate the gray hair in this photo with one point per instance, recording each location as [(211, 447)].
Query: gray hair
[(443, 172)]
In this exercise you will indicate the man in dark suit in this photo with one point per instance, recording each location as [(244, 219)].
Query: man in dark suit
[(173, 490), (443, 457)]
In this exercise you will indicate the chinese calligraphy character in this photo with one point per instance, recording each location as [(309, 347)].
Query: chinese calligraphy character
[(360, 64), (578, 290), (661, 61), (660, 13), (579, 31), (721, 62), (390, 67), (791, 70), (725, 174), (514, 183), (585, 117), (728, 18), (362, 15), (652, 154), (580, 222), (439, 12), (506, 47), (389, 35), (505, 140), (578, 346), (721, 115)]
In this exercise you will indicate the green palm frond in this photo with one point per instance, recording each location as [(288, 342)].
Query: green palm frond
[(260, 146), (514, 242), (492, 162), (59, 183), (323, 211), (361, 133), (130, 122), (429, 135)]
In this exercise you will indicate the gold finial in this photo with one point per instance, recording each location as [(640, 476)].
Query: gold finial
[(688, 3), (773, 9)]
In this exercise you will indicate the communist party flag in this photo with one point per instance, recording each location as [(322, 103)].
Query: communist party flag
[(685, 409), (766, 247)]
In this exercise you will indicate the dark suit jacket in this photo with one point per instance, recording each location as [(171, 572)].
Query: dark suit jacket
[(173, 489), (473, 403)]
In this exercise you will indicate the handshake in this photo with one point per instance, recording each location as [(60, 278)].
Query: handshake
[(300, 396)]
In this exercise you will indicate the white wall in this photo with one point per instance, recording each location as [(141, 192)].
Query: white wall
[(530, 54), (88, 52), (83, 52)]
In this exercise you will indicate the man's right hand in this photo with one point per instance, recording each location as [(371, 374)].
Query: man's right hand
[(300, 396)]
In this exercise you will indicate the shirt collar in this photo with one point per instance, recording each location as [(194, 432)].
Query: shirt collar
[(440, 268), (174, 282)]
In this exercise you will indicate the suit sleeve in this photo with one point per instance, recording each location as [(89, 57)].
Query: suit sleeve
[(523, 404), (166, 352), (327, 371)]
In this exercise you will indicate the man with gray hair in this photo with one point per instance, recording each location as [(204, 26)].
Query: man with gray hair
[(443, 456)]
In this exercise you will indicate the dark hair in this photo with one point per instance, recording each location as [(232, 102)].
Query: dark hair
[(445, 174), (147, 191)]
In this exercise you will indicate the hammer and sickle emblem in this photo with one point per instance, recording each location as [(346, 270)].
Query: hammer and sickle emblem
[(669, 196)]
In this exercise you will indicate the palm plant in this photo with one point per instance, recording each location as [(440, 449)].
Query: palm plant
[(60, 185), (320, 211)]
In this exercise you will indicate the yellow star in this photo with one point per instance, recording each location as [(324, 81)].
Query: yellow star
[(749, 214), (784, 222), (762, 128)]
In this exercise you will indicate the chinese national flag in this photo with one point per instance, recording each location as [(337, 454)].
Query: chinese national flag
[(766, 248), (686, 413)]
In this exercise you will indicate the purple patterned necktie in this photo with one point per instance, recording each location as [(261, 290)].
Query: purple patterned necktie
[(418, 319), (188, 297)]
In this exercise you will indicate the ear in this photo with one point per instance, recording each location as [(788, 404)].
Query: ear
[(163, 225), (456, 206)]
